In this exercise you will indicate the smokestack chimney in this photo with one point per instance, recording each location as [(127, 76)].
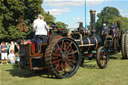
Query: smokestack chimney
[(92, 23)]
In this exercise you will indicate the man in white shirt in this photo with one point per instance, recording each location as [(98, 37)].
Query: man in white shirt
[(41, 30)]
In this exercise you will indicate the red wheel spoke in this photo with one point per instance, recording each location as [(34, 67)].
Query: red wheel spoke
[(103, 60), (69, 50), (57, 61), (72, 60), (65, 47), (68, 47), (65, 67), (59, 49), (58, 69), (57, 65), (54, 58), (69, 63), (62, 42), (70, 44), (56, 54), (67, 42), (56, 50), (70, 56), (62, 67), (73, 52)]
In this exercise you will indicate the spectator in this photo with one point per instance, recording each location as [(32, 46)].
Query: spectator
[(0, 51), (29, 41), (4, 53), (0, 48), (16, 47), (12, 46), (11, 56), (8, 46), (17, 59)]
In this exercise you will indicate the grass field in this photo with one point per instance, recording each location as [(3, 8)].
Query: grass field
[(115, 74)]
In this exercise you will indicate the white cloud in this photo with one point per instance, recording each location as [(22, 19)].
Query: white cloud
[(64, 3), (94, 2), (79, 19), (61, 3), (124, 12), (58, 11)]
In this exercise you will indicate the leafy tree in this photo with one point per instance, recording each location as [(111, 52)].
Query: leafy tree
[(123, 22), (16, 34), (49, 18), (32, 9), (106, 16), (109, 15), (12, 10)]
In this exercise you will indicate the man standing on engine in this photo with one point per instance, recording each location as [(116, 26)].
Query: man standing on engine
[(41, 30), (104, 32), (113, 29)]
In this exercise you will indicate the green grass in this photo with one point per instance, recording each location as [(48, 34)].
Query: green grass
[(115, 74)]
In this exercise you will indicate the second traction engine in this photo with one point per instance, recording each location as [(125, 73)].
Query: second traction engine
[(89, 42)]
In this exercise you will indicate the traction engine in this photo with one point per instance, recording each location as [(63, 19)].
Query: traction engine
[(62, 55)]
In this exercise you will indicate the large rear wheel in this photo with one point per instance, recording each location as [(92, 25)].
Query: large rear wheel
[(123, 48), (62, 57), (102, 57), (126, 46)]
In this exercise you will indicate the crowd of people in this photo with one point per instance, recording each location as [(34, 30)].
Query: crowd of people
[(9, 53)]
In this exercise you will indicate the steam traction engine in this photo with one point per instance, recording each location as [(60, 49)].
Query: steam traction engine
[(117, 43), (63, 54)]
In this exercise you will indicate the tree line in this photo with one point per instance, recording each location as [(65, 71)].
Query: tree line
[(21, 13), (17, 16), (109, 15)]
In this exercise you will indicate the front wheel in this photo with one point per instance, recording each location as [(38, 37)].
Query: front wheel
[(102, 58)]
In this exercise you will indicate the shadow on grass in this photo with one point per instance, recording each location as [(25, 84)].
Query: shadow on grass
[(114, 57), (90, 64), (16, 71)]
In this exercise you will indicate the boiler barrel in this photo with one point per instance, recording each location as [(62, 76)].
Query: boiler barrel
[(89, 43)]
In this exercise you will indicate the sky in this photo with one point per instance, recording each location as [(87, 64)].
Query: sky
[(73, 11)]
